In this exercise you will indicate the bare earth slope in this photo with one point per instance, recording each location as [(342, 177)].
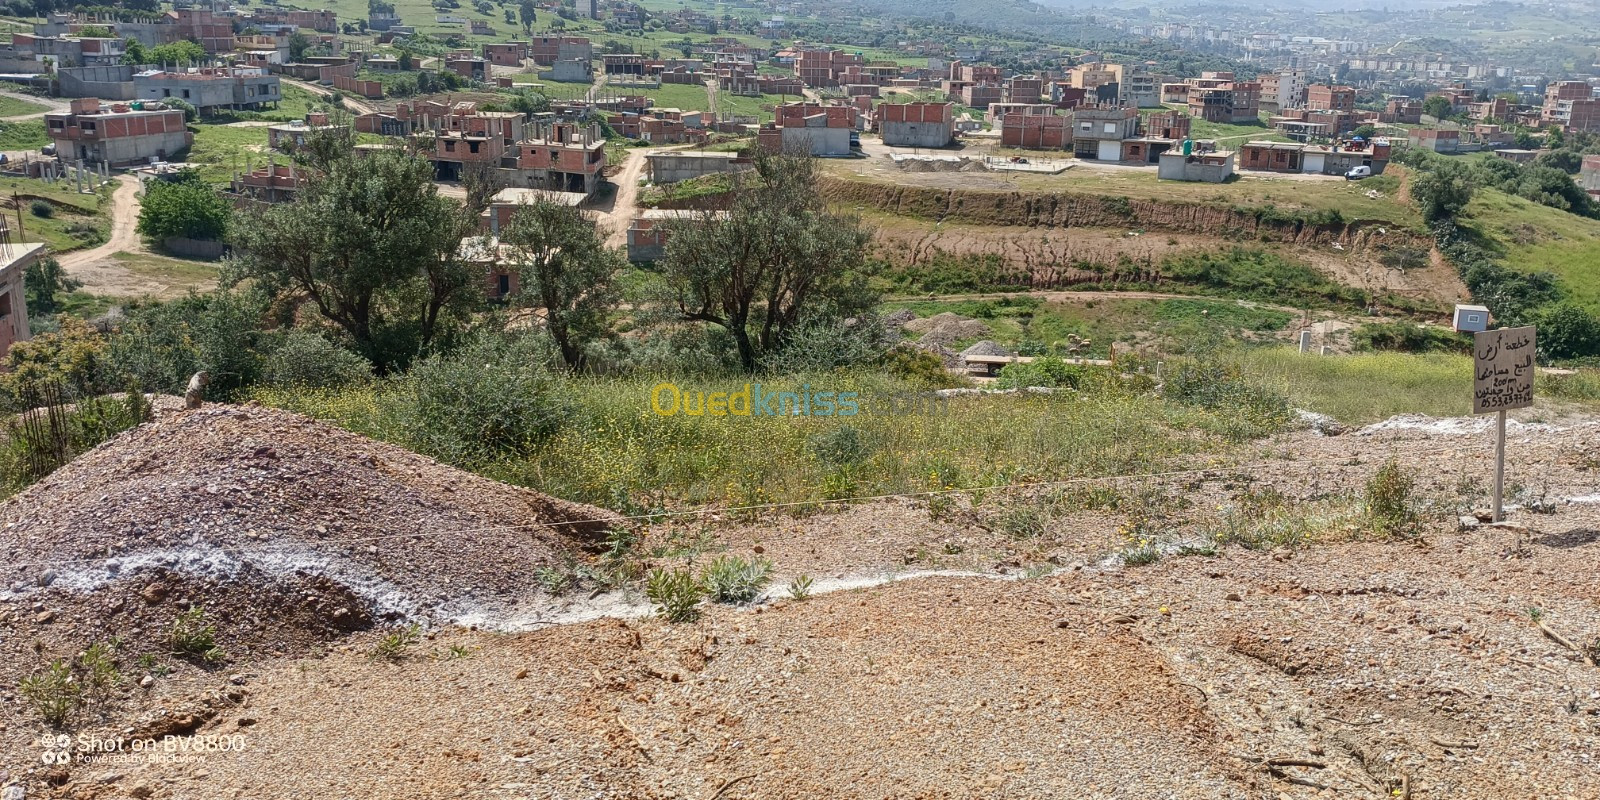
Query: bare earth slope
[(1340, 669)]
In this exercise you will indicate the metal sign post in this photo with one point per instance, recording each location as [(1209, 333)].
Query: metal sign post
[(1502, 380)]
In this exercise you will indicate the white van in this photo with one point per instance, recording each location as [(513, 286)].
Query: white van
[(1357, 173)]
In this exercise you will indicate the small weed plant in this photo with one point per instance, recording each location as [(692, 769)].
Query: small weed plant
[(731, 579), (676, 593)]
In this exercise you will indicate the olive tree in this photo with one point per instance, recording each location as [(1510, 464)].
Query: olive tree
[(777, 257)]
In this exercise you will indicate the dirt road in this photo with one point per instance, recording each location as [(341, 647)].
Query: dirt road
[(625, 204), (355, 104), (97, 267)]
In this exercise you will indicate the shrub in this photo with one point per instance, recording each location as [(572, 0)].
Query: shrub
[(496, 396), (1047, 371), (1567, 331), (308, 360), (161, 345), (1254, 410), (676, 594), (42, 440), (1408, 337), (731, 579), (42, 209), (840, 447), (99, 664), (193, 636), (920, 368), (1388, 501), (52, 694), (820, 344)]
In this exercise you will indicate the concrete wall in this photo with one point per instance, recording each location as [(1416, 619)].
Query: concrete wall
[(108, 83), (1178, 167), (817, 141), (917, 134), (569, 71), (202, 94), (674, 167), (126, 151)]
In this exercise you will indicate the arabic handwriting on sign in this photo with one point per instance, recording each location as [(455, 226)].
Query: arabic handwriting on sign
[(1504, 369)]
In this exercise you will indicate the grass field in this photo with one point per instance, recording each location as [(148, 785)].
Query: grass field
[(1022, 322), (684, 97), (178, 273), (220, 149), (24, 135), (1300, 194), (77, 221), (613, 451), (61, 191), (1348, 387), (759, 107), (1534, 238), (295, 104), (16, 107)]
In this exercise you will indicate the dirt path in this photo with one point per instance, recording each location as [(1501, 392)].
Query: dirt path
[(355, 104), (97, 267), (626, 202)]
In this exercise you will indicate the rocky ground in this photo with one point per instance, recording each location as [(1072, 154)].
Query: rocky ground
[(997, 646)]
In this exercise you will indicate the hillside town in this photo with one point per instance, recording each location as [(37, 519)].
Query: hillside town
[(736, 399)]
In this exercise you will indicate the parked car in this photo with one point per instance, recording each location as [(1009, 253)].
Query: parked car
[(1357, 173)]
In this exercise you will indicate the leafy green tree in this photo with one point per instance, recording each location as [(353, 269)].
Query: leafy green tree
[(177, 53), (188, 208), (1442, 190), (190, 113), (44, 282), (134, 52), (96, 32), (373, 246), (777, 257), (1438, 106), (1555, 139), (566, 270), (529, 14), (299, 43), (1568, 161)]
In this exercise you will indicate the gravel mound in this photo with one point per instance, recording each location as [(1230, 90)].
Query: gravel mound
[(284, 529), (899, 318), (947, 328), (986, 348)]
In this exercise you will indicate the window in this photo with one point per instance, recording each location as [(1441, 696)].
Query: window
[(185, 94), (1111, 127), (449, 147), (1474, 318)]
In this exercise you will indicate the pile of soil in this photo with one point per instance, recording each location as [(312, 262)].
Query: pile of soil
[(947, 328), (285, 530)]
